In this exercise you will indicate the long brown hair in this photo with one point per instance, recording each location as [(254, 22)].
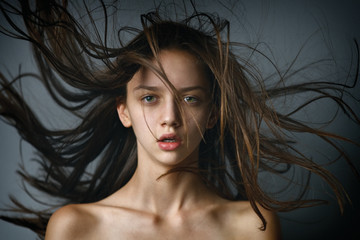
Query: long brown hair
[(86, 77)]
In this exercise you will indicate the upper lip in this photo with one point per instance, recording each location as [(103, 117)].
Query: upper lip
[(169, 136)]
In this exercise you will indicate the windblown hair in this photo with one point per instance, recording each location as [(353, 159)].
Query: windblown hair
[(87, 77)]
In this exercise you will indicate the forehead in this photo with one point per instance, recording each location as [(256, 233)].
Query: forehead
[(181, 68)]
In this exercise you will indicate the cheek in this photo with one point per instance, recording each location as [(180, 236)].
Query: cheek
[(198, 122), (144, 120)]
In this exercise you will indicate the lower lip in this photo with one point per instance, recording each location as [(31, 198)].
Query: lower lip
[(168, 146)]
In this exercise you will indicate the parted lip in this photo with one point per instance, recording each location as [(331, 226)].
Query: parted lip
[(169, 136)]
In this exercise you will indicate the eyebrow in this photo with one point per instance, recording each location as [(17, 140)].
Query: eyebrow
[(184, 89)]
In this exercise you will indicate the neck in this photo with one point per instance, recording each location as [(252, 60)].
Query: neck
[(152, 191)]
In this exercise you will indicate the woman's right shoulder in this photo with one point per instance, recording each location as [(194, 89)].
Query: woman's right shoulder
[(74, 221)]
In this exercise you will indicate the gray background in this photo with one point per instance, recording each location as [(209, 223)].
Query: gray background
[(284, 26)]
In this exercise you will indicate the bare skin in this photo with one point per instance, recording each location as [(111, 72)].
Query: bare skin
[(175, 206)]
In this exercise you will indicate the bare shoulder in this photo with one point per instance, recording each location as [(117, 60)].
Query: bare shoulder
[(71, 222), (243, 223)]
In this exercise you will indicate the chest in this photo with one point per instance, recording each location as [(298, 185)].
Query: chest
[(133, 226)]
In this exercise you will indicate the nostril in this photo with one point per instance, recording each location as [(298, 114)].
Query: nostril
[(171, 115)]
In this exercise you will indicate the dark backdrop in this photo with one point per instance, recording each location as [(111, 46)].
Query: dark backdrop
[(284, 26)]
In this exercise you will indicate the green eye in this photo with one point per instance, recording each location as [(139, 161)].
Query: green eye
[(149, 99), (190, 99)]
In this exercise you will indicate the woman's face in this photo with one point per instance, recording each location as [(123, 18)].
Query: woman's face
[(151, 110)]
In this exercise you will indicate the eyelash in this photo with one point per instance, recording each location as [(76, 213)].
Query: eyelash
[(187, 99), (144, 99), (192, 101)]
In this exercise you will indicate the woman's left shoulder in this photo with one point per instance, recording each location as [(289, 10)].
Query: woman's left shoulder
[(243, 223)]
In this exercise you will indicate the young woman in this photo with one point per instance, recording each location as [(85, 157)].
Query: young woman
[(177, 123), (177, 205)]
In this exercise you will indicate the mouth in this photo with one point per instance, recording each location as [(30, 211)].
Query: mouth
[(169, 138), (169, 142)]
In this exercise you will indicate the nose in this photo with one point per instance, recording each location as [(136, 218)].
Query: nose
[(171, 116)]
